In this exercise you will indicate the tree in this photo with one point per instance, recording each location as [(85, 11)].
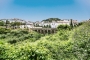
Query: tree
[(52, 19), (63, 27), (81, 23), (44, 26), (1, 23), (37, 25), (49, 26), (18, 24), (71, 23), (24, 24), (7, 22), (13, 24)]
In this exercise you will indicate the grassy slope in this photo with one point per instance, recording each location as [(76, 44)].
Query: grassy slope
[(64, 45)]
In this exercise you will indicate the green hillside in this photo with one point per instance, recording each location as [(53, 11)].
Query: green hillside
[(51, 19), (66, 44)]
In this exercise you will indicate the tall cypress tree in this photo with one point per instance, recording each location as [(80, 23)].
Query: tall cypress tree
[(7, 22), (71, 23)]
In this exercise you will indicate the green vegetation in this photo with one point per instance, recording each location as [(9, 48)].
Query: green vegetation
[(2, 23), (47, 26), (64, 27), (16, 24), (52, 19), (13, 25), (66, 44), (14, 36)]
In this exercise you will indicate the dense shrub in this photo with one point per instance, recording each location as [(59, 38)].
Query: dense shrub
[(15, 36), (81, 39), (64, 27), (4, 30), (24, 51), (64, 45)]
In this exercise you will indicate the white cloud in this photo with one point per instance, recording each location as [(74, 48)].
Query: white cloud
[(5, 2)]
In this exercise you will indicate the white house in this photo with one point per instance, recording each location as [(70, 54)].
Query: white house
[(27, 25), (55, 24)]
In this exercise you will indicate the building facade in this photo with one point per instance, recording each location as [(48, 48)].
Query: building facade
[(42, 24), (55, 24)]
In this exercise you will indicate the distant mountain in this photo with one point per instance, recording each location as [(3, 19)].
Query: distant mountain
[(52, 19)]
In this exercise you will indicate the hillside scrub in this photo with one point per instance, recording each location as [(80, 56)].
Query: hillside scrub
[(81, 38), (14, 36), (64, 45)]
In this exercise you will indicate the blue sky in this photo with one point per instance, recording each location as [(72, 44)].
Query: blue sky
[(37, 10)]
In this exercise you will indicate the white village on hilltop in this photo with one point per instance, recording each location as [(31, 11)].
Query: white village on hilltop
[(49, 23)]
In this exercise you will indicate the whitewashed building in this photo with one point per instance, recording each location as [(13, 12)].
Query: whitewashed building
[(55, 24), (28, 24)]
